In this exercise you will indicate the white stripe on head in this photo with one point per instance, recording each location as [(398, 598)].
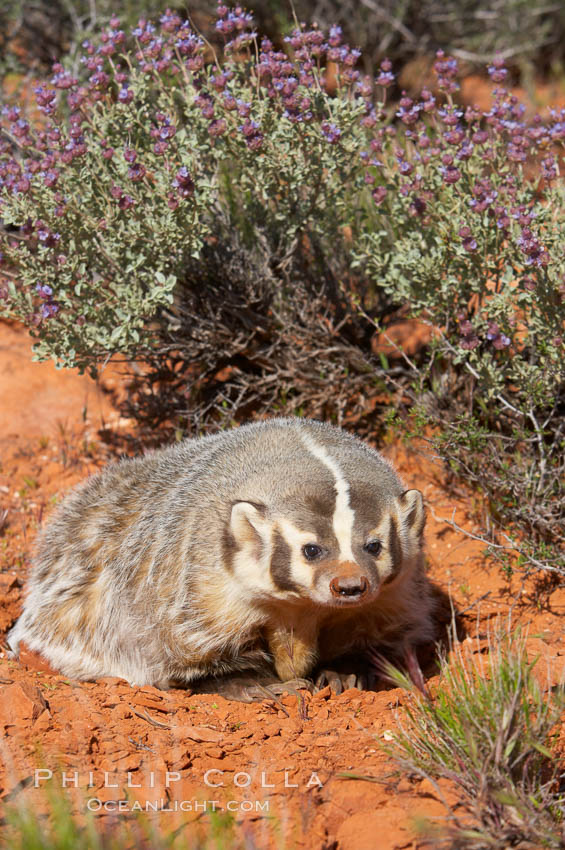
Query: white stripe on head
[(344, 515)]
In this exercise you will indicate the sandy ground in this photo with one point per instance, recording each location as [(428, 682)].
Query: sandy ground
[(279, 767)]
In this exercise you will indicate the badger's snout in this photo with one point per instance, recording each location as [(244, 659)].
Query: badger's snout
[(351, 587)]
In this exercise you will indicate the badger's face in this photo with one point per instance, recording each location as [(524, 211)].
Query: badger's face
[(337, 546)]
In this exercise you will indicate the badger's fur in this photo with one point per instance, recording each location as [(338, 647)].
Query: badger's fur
[(286, 541)]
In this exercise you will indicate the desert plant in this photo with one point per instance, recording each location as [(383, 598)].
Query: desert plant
[(487, 732), (62, 826), (251, 222), (529, 34)]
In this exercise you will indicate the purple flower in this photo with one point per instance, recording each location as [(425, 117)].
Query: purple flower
[(44, 290), (217, 127), (125, 95), (331, 132), (100, 80), (418, 206), (167, 132), (428, 100), (254, 142), (125, 202), (465, 151), (45, 99), (450, 174), (469, 341), (335, 37), (445, 68), (497, 72), (249, 128), (136, 172), (385, 79), (51, 177), (130, 155), (62, 79), (498, 339), (405, 168), (467, 239), (480, 137), (549, 168), (409, 111), (379, 194), (49, 309), (183, 182), (23, 186)]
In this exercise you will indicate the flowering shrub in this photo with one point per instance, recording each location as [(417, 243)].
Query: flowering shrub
[(157, 150), (118, 187)]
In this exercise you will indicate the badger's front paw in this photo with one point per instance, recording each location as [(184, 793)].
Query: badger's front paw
[(339, 681), (260, 691), (248, 687)]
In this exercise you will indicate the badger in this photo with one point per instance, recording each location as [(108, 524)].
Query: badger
[(285, 543)]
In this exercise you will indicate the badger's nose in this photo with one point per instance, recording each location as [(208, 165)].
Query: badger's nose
[(349, 586)]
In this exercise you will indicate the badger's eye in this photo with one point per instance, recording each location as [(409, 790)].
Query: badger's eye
[(373, 547), (311, 551)]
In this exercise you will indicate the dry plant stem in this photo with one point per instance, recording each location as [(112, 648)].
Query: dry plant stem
[(512, 547)]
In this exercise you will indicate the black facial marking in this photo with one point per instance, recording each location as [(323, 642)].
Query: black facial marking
[(395, 548), (280, 563), (229, 547), (322, 504), (367, 510)]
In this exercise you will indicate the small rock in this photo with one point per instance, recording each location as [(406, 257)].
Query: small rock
[(43, 723), (325, 693), (178, 758), (145, 702), (198, 733), (8, 581), (327, 741), (214, 752), (20, 703)]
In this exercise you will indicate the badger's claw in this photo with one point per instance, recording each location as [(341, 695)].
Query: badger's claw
[(249, 688), (276, 689), (340, 682)]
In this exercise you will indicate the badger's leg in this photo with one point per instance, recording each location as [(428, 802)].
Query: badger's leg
[(294, 647)]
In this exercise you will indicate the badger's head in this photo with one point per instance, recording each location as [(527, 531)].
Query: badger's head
[(337, 536)]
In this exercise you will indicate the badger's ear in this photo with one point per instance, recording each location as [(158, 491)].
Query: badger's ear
[(248, 519), (412, 512)]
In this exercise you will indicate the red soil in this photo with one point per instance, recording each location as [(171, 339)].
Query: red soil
[(293, 760)]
